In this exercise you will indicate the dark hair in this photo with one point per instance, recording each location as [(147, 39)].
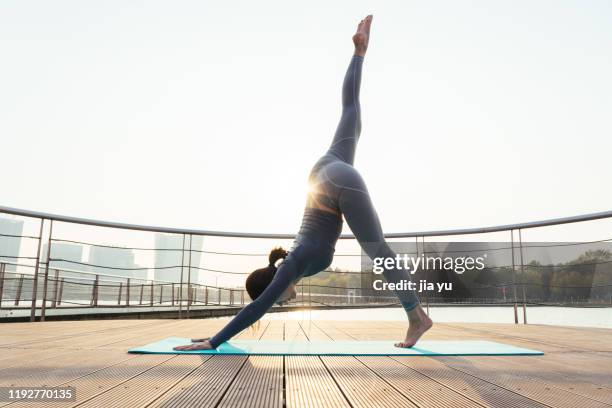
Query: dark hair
[(259, 279)]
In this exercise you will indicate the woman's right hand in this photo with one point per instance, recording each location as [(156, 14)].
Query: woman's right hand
[(205, 345), (200, 340)]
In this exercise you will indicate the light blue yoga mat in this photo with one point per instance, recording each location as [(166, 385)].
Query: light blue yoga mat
[(342, 348)]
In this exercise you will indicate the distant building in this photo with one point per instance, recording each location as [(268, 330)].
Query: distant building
[(69, 252), (10, 246), (168, 254), (114, 258)]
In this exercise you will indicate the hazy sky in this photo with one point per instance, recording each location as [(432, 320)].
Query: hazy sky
[(210, 114)]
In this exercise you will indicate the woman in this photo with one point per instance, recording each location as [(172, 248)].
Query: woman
[(337, 189)]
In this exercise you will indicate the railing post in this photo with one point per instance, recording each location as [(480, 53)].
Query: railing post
[(189, 276), (94, 293), (180, 296), (119, 296), (43, 310), (206, 295), (127, 293), (219, 299), (309, 294), (35, 278), (141, 293), (172, 294), (514, 277), (93, 289), (19, 287), (524, 307), (61, 291), (523, 278), (161, 294), (242, 297), (151, 300), (2, 267), (55, 288)]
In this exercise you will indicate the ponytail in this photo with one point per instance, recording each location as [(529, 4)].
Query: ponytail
[(259, 279), (275, 255)]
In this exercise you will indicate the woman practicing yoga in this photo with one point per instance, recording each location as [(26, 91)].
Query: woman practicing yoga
[(337, 189)]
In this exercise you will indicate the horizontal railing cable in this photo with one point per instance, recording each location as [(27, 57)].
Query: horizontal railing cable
[(18, 236)]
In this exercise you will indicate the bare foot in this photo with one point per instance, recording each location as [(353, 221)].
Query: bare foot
[(362, 36), (419, 324)]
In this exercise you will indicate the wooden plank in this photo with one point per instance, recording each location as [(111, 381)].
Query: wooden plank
[(361, 386), (543, 392), (313, 332), (550, 335), (309, 384), (274, 330), (32, 341), (212, 380), (102, 380), (293, 331), (145, 336), (587, 364), (258, 384), (118, 340), (25, 357), (333, 331), (476, 389), (145, 388), (363, 330), (255, 331), (60, 368), (47, 330), (535, 369), (205, 386), (563, 335), (423, 391)]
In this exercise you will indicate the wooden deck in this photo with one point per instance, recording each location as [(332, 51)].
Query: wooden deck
[(576, 370)]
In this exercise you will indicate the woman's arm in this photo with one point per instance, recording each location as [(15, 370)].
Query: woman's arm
[(256, 309), (250, 313)]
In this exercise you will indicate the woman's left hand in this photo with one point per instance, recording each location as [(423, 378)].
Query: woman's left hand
[(205, 345)]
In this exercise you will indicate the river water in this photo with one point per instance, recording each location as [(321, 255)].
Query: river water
[(558, 316)]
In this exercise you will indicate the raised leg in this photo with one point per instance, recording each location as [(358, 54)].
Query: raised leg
[(347, 134)]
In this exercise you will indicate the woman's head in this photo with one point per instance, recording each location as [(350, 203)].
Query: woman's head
[(259, 279)]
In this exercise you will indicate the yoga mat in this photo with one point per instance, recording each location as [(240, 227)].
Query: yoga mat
[(342, 348)]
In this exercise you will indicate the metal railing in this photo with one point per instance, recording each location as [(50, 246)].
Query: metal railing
[(48, 284)]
